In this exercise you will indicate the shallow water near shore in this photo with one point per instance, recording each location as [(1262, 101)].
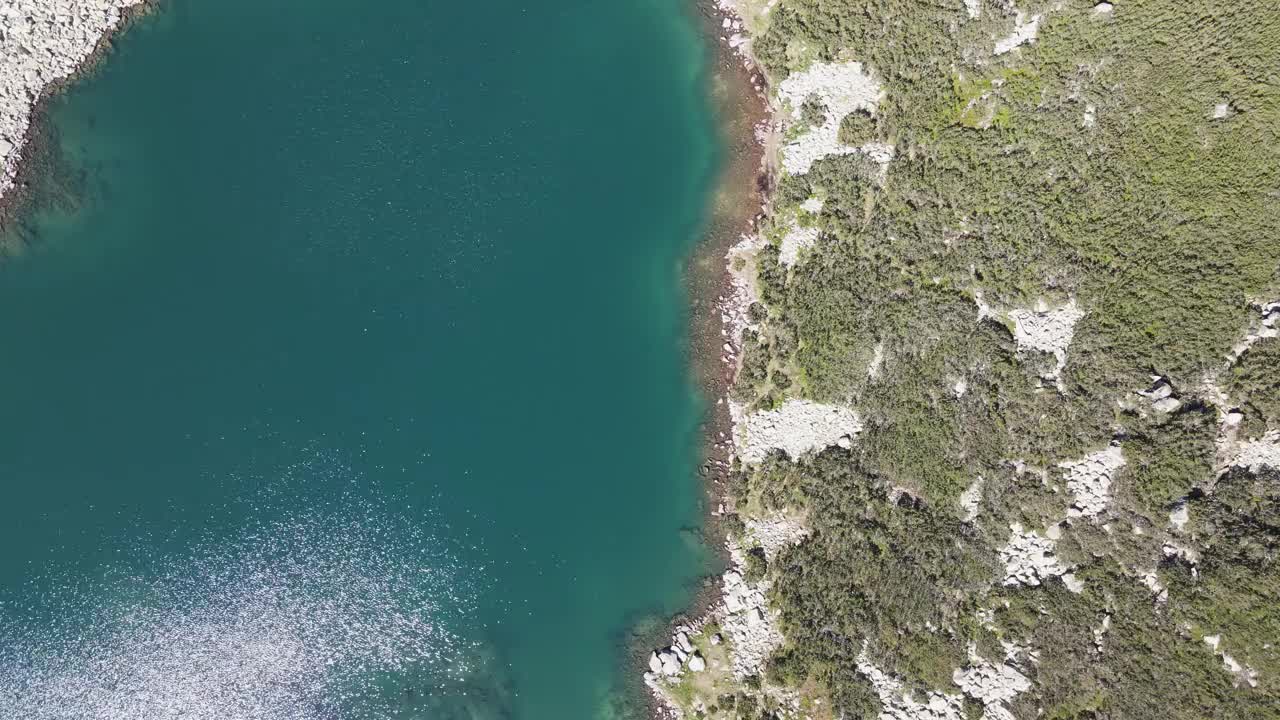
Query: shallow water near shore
[(356, 377)]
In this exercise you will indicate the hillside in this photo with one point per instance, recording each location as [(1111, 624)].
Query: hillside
[(1009, 373)]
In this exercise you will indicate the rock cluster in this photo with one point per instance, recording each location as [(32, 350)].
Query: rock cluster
[(796, 427), (744, 615), (744, 290), (1046, 330), (843, 88), (669, 661), (895, 704), (775, 533), (1231, 451), (1089, 480), (992, 685), (1161, 394), (41, 43), (796, 239), (1256, 454), (749, 624), (1029, 559)]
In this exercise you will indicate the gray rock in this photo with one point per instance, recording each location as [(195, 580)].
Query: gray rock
[(682, 641)]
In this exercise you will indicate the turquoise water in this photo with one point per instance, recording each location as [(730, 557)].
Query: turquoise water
[(353, 382)]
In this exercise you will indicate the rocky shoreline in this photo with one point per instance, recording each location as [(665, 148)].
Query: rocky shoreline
[(726, 607), (44, 46)]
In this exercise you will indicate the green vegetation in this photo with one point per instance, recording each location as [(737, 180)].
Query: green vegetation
[(1255, 381), (812, 113), (1128, 160), (857, 128), (1169, 459)]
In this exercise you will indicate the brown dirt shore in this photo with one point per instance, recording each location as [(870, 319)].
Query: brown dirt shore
[(38, 155), (741, 192)]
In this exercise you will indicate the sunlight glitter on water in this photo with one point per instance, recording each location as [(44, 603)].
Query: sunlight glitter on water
[(304, 617)]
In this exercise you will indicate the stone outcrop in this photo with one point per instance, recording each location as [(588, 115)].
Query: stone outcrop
[(1047, 330), (1268, 326), (775, 533), (842, 88), (1162, 396), (970, 499), (992, 685), (1029, 559), (896, 704), (749, 624), (43, 42), (794, 241), (1089, 480), (1256, 454), (796, 427), (1244, 675)]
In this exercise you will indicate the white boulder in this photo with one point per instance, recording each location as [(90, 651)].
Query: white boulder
[(682, 641)]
